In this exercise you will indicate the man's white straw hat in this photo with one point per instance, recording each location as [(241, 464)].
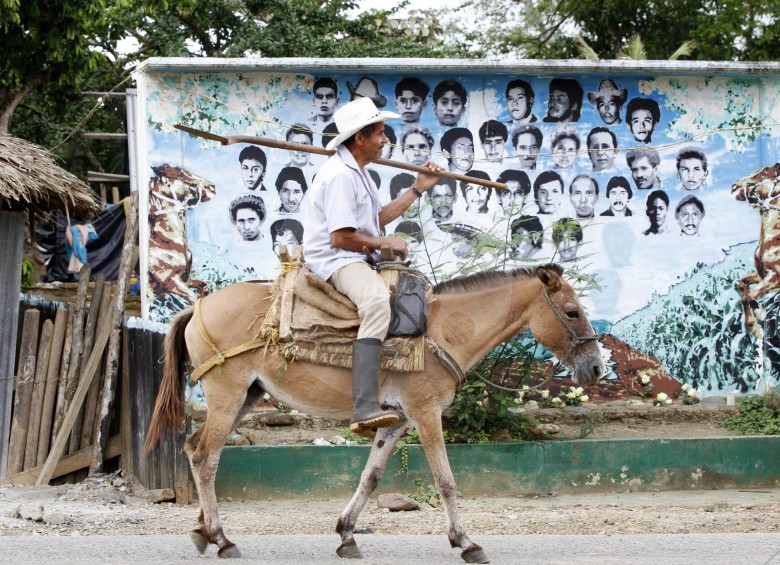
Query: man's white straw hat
[(353, 117)]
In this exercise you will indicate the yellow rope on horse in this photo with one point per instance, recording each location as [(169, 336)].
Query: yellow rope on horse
[(199, 320), (220, 356)]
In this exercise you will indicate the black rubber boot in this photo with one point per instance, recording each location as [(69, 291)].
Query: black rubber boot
[(367, 416)]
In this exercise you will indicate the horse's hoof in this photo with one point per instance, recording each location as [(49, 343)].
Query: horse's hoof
[(229, 551), (200, 540), (474, 555), (349, 551)]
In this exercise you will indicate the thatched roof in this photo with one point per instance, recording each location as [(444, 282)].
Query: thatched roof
[(30, 179)]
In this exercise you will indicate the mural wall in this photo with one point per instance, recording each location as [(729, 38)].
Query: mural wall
[(619, 175)]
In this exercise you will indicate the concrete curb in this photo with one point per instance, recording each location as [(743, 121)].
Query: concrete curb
[(511, 469)]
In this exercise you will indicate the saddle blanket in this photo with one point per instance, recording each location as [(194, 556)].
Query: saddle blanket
[(312, 321)]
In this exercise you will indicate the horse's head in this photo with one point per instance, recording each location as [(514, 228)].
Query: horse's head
[(182, 186), (757, 187), (560, 324)]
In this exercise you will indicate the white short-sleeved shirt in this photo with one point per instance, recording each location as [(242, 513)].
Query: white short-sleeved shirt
[(341, 197)]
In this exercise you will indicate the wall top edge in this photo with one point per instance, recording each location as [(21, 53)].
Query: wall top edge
[(210, 64)]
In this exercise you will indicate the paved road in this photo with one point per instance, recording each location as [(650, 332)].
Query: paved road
[(689, 549)]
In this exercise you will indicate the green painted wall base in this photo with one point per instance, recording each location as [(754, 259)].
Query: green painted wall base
[(576, 466)]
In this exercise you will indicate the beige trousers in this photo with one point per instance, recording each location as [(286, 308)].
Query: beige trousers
[(366, 289)]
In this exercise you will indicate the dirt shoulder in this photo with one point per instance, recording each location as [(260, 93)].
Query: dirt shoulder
[(96, 507)]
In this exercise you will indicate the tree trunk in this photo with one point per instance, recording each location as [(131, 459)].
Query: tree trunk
[(11, 100)]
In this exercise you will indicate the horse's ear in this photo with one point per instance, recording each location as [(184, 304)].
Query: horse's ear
[(550, 278)]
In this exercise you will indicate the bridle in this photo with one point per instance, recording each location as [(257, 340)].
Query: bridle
[(576, 341)]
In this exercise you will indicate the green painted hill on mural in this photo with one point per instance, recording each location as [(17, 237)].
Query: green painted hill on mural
[(697, 329)]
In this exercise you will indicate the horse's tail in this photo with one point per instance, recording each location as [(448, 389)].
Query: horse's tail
[(169, 407)]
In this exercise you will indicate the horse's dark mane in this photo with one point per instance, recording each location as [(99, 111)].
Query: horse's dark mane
[(489, 279)]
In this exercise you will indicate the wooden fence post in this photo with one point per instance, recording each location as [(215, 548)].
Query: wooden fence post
[(12, 236), (23, 397), (50, 393), (39, 387)]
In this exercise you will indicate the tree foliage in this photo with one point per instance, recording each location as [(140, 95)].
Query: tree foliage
[(46, 42), (723, 30), (53, 49), (271, 28)]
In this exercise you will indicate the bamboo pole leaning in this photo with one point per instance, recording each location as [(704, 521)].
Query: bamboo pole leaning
[(90, 404), (88, 341)]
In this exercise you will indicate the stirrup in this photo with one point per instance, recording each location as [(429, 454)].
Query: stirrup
[(381, 421)]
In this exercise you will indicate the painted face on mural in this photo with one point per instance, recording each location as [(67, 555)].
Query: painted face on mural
[(476, 198), (568, 247), (461, 245), (692, 173), (513, 198), (564, 152), (248, 224), (522, 243), (493, 146), (518, 104), (618, 200), (416, 149), (325, 100), (689, 218), (527, 150), (409, 105), (449, 108), (602, 151), (550, 196), (609, 110), (583, 197), (414, 210), (287, 237), (559, 106), (642, 125), (462, 156), (644, 173), (299, 158), (252, 173), (442, 199), (291, 195), (657, 211)]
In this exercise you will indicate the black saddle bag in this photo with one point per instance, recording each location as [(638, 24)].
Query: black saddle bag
[(409, 306)]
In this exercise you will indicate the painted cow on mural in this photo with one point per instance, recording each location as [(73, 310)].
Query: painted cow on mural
[(761, 190), (172, 191)]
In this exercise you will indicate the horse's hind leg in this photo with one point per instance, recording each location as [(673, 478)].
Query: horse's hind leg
[(432, 440), (384, 442), (224, 413)]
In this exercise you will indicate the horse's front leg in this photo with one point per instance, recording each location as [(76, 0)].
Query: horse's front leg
[(384, 443), (750, 307), (432, 439)]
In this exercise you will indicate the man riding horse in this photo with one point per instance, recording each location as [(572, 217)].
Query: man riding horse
[(344, 222)]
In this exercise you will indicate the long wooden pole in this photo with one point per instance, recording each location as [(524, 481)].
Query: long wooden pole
[(276, 144)]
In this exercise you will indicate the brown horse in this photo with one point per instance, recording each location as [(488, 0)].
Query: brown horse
[(468, 317), (761, 190)]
